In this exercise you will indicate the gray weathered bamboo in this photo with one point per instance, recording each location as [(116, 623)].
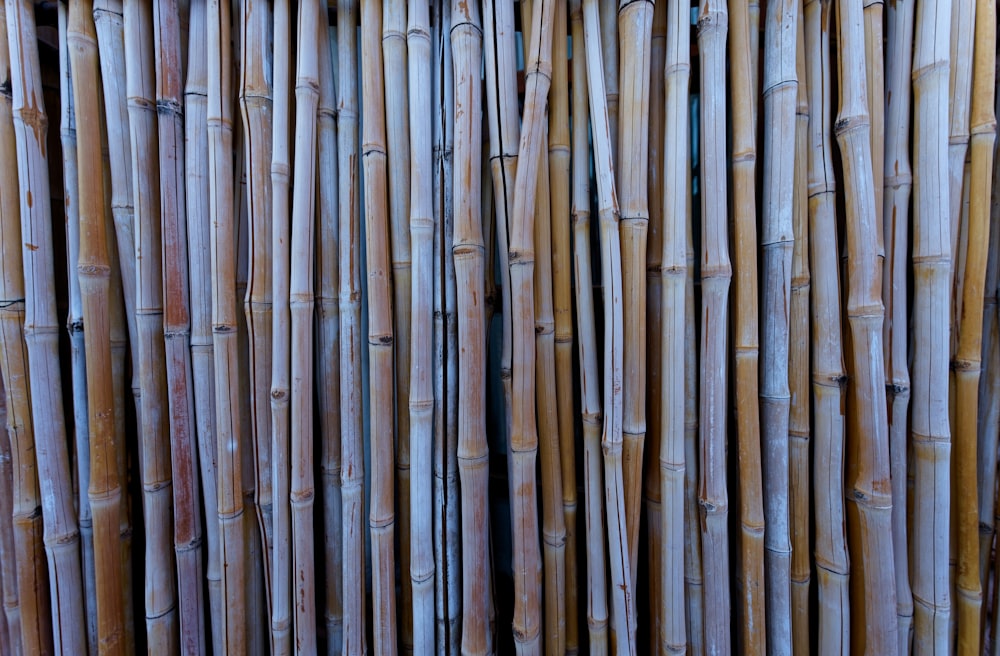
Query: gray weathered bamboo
[(10, 620)]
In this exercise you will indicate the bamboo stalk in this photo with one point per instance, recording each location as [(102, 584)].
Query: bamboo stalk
[(930, 432), (35, 616), (610, 59), (963, 19), (61, 534), (177, 327), (10, 620), (875, 93), (898, 181), (869, 486), (623, 603), (590, 403)]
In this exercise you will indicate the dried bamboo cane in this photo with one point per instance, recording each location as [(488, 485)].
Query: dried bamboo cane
[(473, 453), (177, 327), (963, 19), (635, 24), (398, 141), (799, 433), (930, 431), (610, 59), (328, 342), (421, 338), (196, 194), (875, 92), (746, 337), (967, 363), (869, 486), (232, 534), (898, 181), (352, 436), (780, 91), (590, 403), (26, 503), (61, 534), (623, 602), (94, 272), (10, 620), (828, 378), (256, 106)]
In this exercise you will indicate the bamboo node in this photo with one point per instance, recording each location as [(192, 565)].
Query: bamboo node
[(169, 108)]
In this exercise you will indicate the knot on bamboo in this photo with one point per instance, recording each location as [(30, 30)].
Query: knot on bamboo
[(93, 270), (169, 108), (847, 124)]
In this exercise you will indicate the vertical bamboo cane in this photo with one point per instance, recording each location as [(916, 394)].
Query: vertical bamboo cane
[(61, 534), (869, 487), (931, 435), (590, 403), (10, 621), (875, 92), (610, 59), (780, 90), (963, 19), (898, 181), (26, 506)]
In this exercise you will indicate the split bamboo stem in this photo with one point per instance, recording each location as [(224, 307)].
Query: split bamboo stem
[(590, 402), (930, 431), (61, 533), (177, 327), (421, 338), (468, 251), (25, 510), (869, 486), (10, 621), (780, 92), (328, 343), (256, 112), (747, 331), (352, 435), (94, 272), (967, 364), (898, 180), (635, 25), (232, 531), (609, 58), (623, 602), (196, 194), (716, 272), (394, 49)]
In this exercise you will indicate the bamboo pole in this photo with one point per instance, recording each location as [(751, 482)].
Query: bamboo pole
[(590, 403), (196, 194), (963, 19), (61, 533), (35, 616), (623, 602), (328, 344), (869, 487), (898, 181), (930, 432), (10, 620), (610, 59), (875, 93), (177, 327)]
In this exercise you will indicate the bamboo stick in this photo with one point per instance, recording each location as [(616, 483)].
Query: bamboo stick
[(35, 616), (967, 363), (61, 533), (610, 59), (590, 403), (352, 437), (963, 19), (875, 93), (623, 603), (10, 621), (177, 327), (869, 487), (930, 432), (898, 181)]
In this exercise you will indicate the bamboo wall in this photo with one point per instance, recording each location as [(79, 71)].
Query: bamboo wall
[(557, 326)]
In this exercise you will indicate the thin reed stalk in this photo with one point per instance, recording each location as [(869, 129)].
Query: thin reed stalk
[(610, 59), (10, 621), (875, 93), (963, 20)]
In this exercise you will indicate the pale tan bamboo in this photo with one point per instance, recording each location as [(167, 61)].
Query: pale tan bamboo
[(61, 533), (177, 328), (26, 503), (898, 181), (94, 272), (746, 326), (352, 436), (930, 431), (635, 24), (197, 199), (799, 433), (10, 620), (256, 112), (963, 19), (753, 8), (967, 364), (398, 142), (870, 516), (473, 453), (590, 402), (875, 92), (609, 58), (780, 90), (623, 602)]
